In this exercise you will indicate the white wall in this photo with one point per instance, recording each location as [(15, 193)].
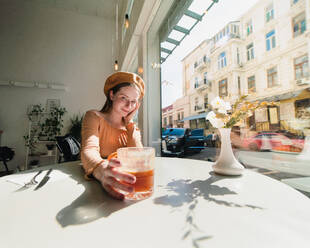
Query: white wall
[(51, 45)]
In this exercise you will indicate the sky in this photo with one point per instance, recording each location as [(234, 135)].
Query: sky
[(216, 18)]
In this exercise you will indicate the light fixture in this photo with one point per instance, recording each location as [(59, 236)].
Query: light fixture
[(116, 66), (140, 70), (126, 21)]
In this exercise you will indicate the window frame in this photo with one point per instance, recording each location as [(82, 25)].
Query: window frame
[(301, 66), (251, 82), (269, 13), (273, 75), (249, 27), (221, 60), (270, 39), (250, 51), (223, 84), (302, 25)]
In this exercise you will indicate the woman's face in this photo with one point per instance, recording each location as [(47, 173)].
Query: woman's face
[(125, 100)]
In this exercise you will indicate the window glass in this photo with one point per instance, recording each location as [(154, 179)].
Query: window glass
[(301, 67), (223, 88), (251, 84), (270, 40), (250, 52), (299, 24), (269, 62), (269, 13), (272, 77)]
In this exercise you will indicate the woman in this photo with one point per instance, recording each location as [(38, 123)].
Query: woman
[(103, 132)]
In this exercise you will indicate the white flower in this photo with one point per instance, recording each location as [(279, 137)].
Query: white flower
[(220, 105), (217, 123)]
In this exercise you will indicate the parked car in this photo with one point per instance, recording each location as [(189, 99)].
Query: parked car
[(272, 140), (178, 141)]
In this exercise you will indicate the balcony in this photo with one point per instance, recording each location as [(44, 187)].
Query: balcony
[(198, 107), (203, 85), (202, 64), (303, 81)]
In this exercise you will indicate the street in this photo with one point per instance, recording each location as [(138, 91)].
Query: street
[(279, 166)]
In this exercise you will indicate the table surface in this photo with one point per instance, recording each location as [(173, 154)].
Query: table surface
[(191, 207)]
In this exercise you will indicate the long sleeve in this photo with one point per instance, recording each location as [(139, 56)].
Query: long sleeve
[(90, 152), (134, 136)]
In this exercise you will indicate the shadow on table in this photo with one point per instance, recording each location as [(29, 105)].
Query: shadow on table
[(188, 192), (92, 205)]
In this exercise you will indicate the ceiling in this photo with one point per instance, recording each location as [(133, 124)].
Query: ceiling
[(100, 8)]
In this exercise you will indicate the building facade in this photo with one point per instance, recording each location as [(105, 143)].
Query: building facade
[(264, 54)]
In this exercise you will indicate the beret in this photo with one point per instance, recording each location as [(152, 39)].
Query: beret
[(123, 77)]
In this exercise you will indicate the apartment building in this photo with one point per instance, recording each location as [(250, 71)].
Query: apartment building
[(263, 54)]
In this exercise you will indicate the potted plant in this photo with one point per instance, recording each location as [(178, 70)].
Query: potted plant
[(52, 125), (31, 141), (34, 112), (50, 148), (76, 126)]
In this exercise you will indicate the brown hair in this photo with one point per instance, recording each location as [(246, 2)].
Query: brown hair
[(109, 103)]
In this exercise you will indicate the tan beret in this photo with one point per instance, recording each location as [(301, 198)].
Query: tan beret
[(123, 77)]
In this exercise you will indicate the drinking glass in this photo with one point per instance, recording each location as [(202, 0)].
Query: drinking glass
[(138, 161)]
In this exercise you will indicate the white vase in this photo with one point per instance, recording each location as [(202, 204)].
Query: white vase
[(227, 164)]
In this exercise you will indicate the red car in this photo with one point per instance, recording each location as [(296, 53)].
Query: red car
[(270, 141)]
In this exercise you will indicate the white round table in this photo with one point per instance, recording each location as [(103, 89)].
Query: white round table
[(191, 207)]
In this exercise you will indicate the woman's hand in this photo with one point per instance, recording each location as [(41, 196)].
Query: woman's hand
[(129, 117), (112, 179)]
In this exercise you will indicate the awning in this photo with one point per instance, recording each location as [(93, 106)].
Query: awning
[(180, 22), (281, 97), (194, 117)]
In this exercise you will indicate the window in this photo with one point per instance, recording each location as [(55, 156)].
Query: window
[(165, 121), (205, 58), (269, 13), (249, 28), (301, 67), (223, 88), (179, 116), (294, 1), (205, 78), (170, 120), (182, 115), (251, 84), (272, 77), (221, 61), (206, 101), (196, 83), (299, 24), (239, 86), (238, 56), (196, 104), (195, 64), (250, 51), (270, 40)]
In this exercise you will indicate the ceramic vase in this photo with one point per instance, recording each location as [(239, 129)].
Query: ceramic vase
[(227, 164)]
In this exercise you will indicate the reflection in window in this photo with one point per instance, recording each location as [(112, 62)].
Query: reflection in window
[(221, 60), (299, 24), (251, 85), (269, 13), (250, 51), (270, 40), (272, 77), (301, 67), (223, 88)]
